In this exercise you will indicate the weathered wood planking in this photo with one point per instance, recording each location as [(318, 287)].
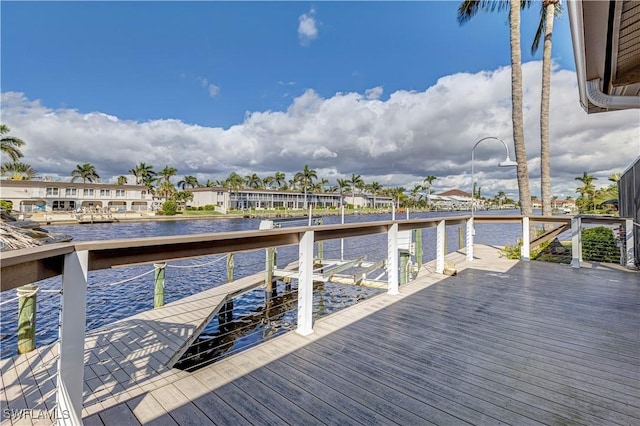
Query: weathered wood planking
[(500, 343)]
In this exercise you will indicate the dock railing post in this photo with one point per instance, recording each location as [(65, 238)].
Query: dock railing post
[(525, 249), (440, 246), (392, 258), (470, 226), (630, 244), (576, 242), (72, 330), (305, 284)]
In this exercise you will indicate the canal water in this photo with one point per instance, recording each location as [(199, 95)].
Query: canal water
[(118, 293)]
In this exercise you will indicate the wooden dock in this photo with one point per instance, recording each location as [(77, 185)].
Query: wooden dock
[(502, 342)]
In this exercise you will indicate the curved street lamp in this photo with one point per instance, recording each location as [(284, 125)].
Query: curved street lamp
[(508, 162)]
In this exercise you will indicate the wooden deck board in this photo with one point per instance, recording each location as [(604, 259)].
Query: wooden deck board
[(503, 342)]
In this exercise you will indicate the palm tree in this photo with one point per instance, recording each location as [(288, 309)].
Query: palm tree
[(279, 179), (306, 177), (268, 182), (550, 9), (429, 180), (142, 173), (587, 188), (615, 177), (188, 182), (167, 173), (253, 181), (210, 184), (18, 171), (10, 145), (467, 10), (122, 180), (343, 184), (374, 188), (165, 190), (86, 172)]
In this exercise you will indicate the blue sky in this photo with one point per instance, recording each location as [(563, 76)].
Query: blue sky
[(210, 87), (150, 60)]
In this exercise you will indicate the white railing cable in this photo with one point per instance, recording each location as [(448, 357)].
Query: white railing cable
[(199, 265), (33, 293), (123, 281)]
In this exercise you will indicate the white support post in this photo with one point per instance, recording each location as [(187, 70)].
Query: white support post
[(470, 233), (525, 249), (576, 242), (630, 244), (305, 284), (392, 258), (72, 330), (440, 254)]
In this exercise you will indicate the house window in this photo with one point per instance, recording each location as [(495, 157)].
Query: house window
[(120, 192), (88, 193), (70, 192), (144, 194), (105, 192), (52, 191)]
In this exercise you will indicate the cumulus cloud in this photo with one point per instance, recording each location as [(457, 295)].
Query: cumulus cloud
[(307, 27), (396, 142)]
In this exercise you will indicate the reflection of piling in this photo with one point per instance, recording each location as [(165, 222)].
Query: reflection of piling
[(27, 318), (158, 291), (270, 288), (225, 316)]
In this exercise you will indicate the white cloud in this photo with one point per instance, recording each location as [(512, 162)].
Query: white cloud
[(374, 93), (307, 28), (212, 88), (397, 141)]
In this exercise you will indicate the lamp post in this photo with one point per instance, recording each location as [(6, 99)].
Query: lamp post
[(508, 162)]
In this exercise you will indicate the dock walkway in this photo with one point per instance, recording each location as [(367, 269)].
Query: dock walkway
[(122, 359), (502, 342)]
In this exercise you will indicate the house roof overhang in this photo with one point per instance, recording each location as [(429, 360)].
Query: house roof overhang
[(606, 46)]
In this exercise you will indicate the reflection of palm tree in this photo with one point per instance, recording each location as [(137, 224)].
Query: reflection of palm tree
[(86, 172), (467, 10), (10, 145)]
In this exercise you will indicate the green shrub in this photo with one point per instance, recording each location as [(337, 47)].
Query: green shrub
[(599, 245), (170, 208), (208, 207), (6, 205)]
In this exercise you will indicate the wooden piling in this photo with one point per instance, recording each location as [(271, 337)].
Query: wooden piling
[(405, 256), (268, 280), (27, 318), (418, 247), (230, 267), (461, 244), (158, 292)]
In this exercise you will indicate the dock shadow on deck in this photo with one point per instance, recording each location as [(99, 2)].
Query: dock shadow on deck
[(502, 342)]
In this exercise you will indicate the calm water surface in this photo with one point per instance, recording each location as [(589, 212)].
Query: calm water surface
[(110, 299)]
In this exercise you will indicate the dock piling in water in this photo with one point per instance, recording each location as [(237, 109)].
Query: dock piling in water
[(158, 291), (27, 318)]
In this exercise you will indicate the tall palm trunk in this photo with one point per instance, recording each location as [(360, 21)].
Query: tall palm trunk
[(516, 110), (545, 168)]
